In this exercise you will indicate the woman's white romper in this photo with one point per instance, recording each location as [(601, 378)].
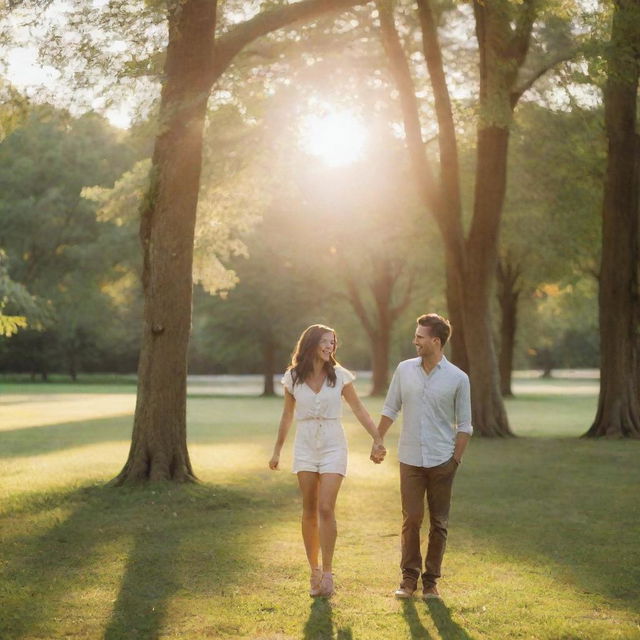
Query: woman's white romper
[(320, 444)]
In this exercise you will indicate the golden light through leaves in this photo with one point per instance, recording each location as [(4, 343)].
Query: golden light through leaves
[(336, 137)]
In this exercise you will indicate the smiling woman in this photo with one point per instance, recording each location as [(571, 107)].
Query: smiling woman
[(337, 137)]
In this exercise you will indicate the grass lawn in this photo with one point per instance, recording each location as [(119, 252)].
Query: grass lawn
[(544, 534)]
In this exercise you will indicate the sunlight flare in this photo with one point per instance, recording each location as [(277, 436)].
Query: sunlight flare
[(336, 137)]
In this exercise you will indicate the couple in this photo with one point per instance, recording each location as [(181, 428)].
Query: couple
[(434, 395)]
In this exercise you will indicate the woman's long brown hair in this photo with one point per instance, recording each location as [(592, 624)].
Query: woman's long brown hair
[(302, 359)]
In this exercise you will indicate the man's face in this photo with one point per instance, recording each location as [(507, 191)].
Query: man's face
[(426, 345)]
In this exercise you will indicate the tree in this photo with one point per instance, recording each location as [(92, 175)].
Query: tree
[(618, 413), (503, 32)]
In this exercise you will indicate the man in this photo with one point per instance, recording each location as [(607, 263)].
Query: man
[(435, 399)]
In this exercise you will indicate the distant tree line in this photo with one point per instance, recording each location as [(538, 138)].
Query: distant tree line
[(80, 259)]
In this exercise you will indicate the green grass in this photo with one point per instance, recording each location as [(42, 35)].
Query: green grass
[(543, 540)]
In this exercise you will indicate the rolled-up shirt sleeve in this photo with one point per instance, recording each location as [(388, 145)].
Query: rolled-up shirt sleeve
[(393, 401), (463, 407)]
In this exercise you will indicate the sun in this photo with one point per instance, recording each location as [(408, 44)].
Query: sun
[(336, 137)]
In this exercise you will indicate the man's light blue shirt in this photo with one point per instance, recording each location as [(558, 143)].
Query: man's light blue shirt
[(435, 407)]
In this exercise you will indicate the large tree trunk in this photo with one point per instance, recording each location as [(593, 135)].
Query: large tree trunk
[(508, 295), (618, 413), (158, 448), (503, 30), (503, 42), (489, 415)]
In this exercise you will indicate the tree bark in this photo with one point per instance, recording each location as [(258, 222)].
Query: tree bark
[(618, 413), (489, 415), (508, 295), (159, 446), (503, 42)]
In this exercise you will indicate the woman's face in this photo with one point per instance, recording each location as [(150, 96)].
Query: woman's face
[(326, 346)]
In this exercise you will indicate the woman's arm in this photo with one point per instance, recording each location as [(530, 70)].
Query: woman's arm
[(285, 425), (364, 419)]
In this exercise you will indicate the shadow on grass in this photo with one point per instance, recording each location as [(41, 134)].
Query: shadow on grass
[(147, 585), (50, 438), (319, 625), (447, 628), (416, 628), (40, 440), (567, 509), (164, 532), (43, 440)]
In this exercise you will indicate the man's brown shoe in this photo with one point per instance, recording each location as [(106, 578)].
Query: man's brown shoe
[(406, 589), (431, 593)]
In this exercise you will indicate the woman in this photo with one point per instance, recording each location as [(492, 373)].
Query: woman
[(314, 386)]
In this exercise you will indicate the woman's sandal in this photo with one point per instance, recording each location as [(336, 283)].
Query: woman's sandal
[(314, 582), (326, 585)]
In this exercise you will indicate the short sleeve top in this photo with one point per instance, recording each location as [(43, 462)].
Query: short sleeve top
[(326, 404)]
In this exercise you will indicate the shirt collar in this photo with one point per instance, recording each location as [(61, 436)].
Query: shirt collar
[(440, 364)]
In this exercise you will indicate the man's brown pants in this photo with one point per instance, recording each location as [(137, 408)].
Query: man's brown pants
[(436, 483)]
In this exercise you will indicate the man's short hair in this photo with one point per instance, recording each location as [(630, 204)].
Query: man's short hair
[(437, 325)]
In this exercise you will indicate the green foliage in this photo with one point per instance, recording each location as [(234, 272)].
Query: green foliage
[(551, 230), (234, 186), (561, 329), (66, 265)]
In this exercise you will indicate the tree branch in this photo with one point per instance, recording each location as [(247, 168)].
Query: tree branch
[(239, 36), (519, 43), (399, 67), (356, 302), (401, 306), (525, 85), (449, 165)]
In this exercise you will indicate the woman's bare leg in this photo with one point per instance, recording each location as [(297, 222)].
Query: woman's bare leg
[(329, 485), (309, 483)]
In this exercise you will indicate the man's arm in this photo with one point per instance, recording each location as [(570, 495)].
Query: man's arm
[(463, 419), (392, 406), (384, 425), (462, 439)]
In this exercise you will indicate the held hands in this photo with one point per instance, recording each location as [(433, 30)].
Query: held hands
[(378, 452)]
